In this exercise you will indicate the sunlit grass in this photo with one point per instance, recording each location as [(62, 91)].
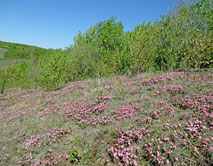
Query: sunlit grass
[(148, 119)]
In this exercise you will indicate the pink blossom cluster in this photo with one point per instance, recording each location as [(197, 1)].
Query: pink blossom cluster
[(159, 92), (51, 136), (128, 81), (145, 97), (25, 160), (158, 79), (12, 117), (193, 132), (35, 140), (3, 158), (104, 97), (195, 126), (77, 110), (123, 150), (80, 110), (175, 100), (99, 120), (146, 120), (163, 111), (126, 111), (179, 75), (99, 107), (202, 103), (24, 110), (134, 91), (46, 111), (159, 150), (210, 83), (175, 89), (26, 96), (55, 133), (131, 82), (89, 113), (159, 103), (49, 100), (107, 87), (51, 160)]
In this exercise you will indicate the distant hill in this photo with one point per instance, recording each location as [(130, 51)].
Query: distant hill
[(20, 51), (15, 53), (9, 45), (2, 52)]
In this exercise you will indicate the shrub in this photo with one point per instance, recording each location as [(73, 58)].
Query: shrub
[(56, 72)]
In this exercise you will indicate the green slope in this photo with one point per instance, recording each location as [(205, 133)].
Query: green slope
[(2, 52), (22, 51), (15, 53)]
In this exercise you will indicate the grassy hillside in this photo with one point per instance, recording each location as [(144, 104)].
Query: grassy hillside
[(15, 53), (9, 62), (2, 52), (19, 51), (149, 119)]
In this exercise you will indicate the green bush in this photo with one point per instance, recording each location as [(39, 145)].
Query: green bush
[(56, 72), (18, 76)]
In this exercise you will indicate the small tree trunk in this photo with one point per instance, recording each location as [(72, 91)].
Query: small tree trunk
[(3, 84)]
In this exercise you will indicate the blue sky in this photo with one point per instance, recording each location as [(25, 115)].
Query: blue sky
[(54, 23)]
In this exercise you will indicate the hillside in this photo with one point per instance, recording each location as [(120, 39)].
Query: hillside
[(142, 97), (15, 53), (2, 52), (9, 45), (20, 51), (148, 119)]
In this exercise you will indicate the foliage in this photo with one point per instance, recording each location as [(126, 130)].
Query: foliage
[(75, 155), (18, 76), (56, 72), (181, 39), (21, 51)]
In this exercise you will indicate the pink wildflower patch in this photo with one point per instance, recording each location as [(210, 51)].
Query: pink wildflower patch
[(175, 89), (51, 136), (126, 111), (159, 150), (123, 151), (44, 112), (106, 98), (89, 113), (158, 79)]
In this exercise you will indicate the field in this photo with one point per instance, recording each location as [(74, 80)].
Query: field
[(8, 62), (2, 52), (147, 119)]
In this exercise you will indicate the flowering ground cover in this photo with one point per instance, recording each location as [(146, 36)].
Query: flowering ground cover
[(147, 119)]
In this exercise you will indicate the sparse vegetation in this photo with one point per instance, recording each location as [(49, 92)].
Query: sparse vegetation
[(143, 97), (162, 119)]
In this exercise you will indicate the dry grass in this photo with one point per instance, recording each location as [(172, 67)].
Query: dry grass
[(81, 123)]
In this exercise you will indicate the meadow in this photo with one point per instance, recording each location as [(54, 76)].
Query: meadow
[(162, 118), (142, 97), (2, 52)]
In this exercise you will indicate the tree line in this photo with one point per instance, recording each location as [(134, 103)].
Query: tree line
[(181, 39)]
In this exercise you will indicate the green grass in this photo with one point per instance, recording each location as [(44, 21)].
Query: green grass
[(10, 62), (27, 116), (2, 52)]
